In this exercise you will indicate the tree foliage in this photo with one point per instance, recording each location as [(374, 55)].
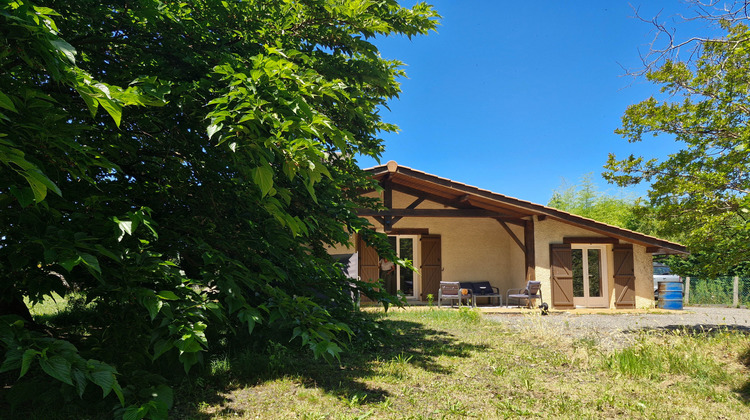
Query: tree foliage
[(584, 199), (184, 165), (699, 193)]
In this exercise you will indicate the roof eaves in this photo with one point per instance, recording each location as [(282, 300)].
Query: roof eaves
[(538, 209)]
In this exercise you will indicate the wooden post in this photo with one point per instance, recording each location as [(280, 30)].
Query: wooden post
[(736, 294), (687, 291), (388, 202), (528, 239)]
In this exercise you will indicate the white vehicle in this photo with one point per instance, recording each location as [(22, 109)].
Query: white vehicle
[(662, 273)]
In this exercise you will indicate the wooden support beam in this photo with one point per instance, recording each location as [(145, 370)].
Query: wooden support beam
[(528, 239), (590, 240), (428, 196), (388, 203), (512, 234), (476, 213), (652, 249), (464, 199), (410, 231), (413, 205)]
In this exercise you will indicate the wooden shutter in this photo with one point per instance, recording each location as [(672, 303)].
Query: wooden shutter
[(561, 273), (624, 276), (369, 266), (432, 265)]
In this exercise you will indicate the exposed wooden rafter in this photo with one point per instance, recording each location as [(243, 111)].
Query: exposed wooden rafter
[(589, 240), (458, 195), (476, 213), (512, 234), (413, 205)]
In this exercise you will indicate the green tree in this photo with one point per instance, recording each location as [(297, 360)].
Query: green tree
[(585, 200), (197, 213), (699, 193)]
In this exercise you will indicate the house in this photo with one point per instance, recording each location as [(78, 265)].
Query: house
[(457, 232)]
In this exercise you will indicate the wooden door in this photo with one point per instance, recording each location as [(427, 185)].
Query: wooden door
[(624, 276), (369, 263), (432, 266), (561, 275)]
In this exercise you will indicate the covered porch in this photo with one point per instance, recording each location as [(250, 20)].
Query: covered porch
[(457, 232)]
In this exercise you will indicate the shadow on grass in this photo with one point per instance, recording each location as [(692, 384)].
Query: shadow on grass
[(411, 343), (744, 390)]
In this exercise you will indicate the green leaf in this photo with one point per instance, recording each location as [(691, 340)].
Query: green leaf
[(164, 395), (212, 129), (69, 263), (7, 103), (126, 226), (103, 376), (66, 49), (91, 262), (58, 368), (107, 253), (161, 347), (91, 103), (12, 358), (135, 413), (113, 109), (25, 196), (188, 344), (40, 183), (263, 178), (118, 391), (167, 295), (189, 359), (79, 377), (28, 357), (153, 305)]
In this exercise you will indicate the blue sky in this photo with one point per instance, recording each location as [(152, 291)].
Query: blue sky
[(514, 97)]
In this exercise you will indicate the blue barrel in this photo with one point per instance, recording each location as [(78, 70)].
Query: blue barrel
[(670, 295)]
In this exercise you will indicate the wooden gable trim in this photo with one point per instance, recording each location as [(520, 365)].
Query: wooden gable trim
[(475, 213), (410, 231), (446, 201), (590, 240), (403, 176)]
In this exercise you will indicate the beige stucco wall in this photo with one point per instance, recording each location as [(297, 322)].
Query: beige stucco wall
[(478, 249), (644, 277), (344, 248), (550, 231)]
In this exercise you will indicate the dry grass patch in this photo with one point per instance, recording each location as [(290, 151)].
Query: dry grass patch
[(455, 364)]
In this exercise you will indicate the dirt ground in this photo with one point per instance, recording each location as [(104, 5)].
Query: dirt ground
[(615, 329)]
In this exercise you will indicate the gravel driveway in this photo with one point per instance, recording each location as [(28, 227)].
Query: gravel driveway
[(616, 330)]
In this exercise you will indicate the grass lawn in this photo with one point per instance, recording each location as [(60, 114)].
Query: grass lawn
[(455, 364)]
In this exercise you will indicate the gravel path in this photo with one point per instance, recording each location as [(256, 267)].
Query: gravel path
[(616, 330)]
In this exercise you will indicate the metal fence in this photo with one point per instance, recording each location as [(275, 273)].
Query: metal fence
[(729, 291)]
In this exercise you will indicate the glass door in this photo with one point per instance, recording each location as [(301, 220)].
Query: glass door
[(406, 280), (589, 276)]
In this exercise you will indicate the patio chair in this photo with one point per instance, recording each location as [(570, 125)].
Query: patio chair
[(483, 289), (452, 290), (529, 293)]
